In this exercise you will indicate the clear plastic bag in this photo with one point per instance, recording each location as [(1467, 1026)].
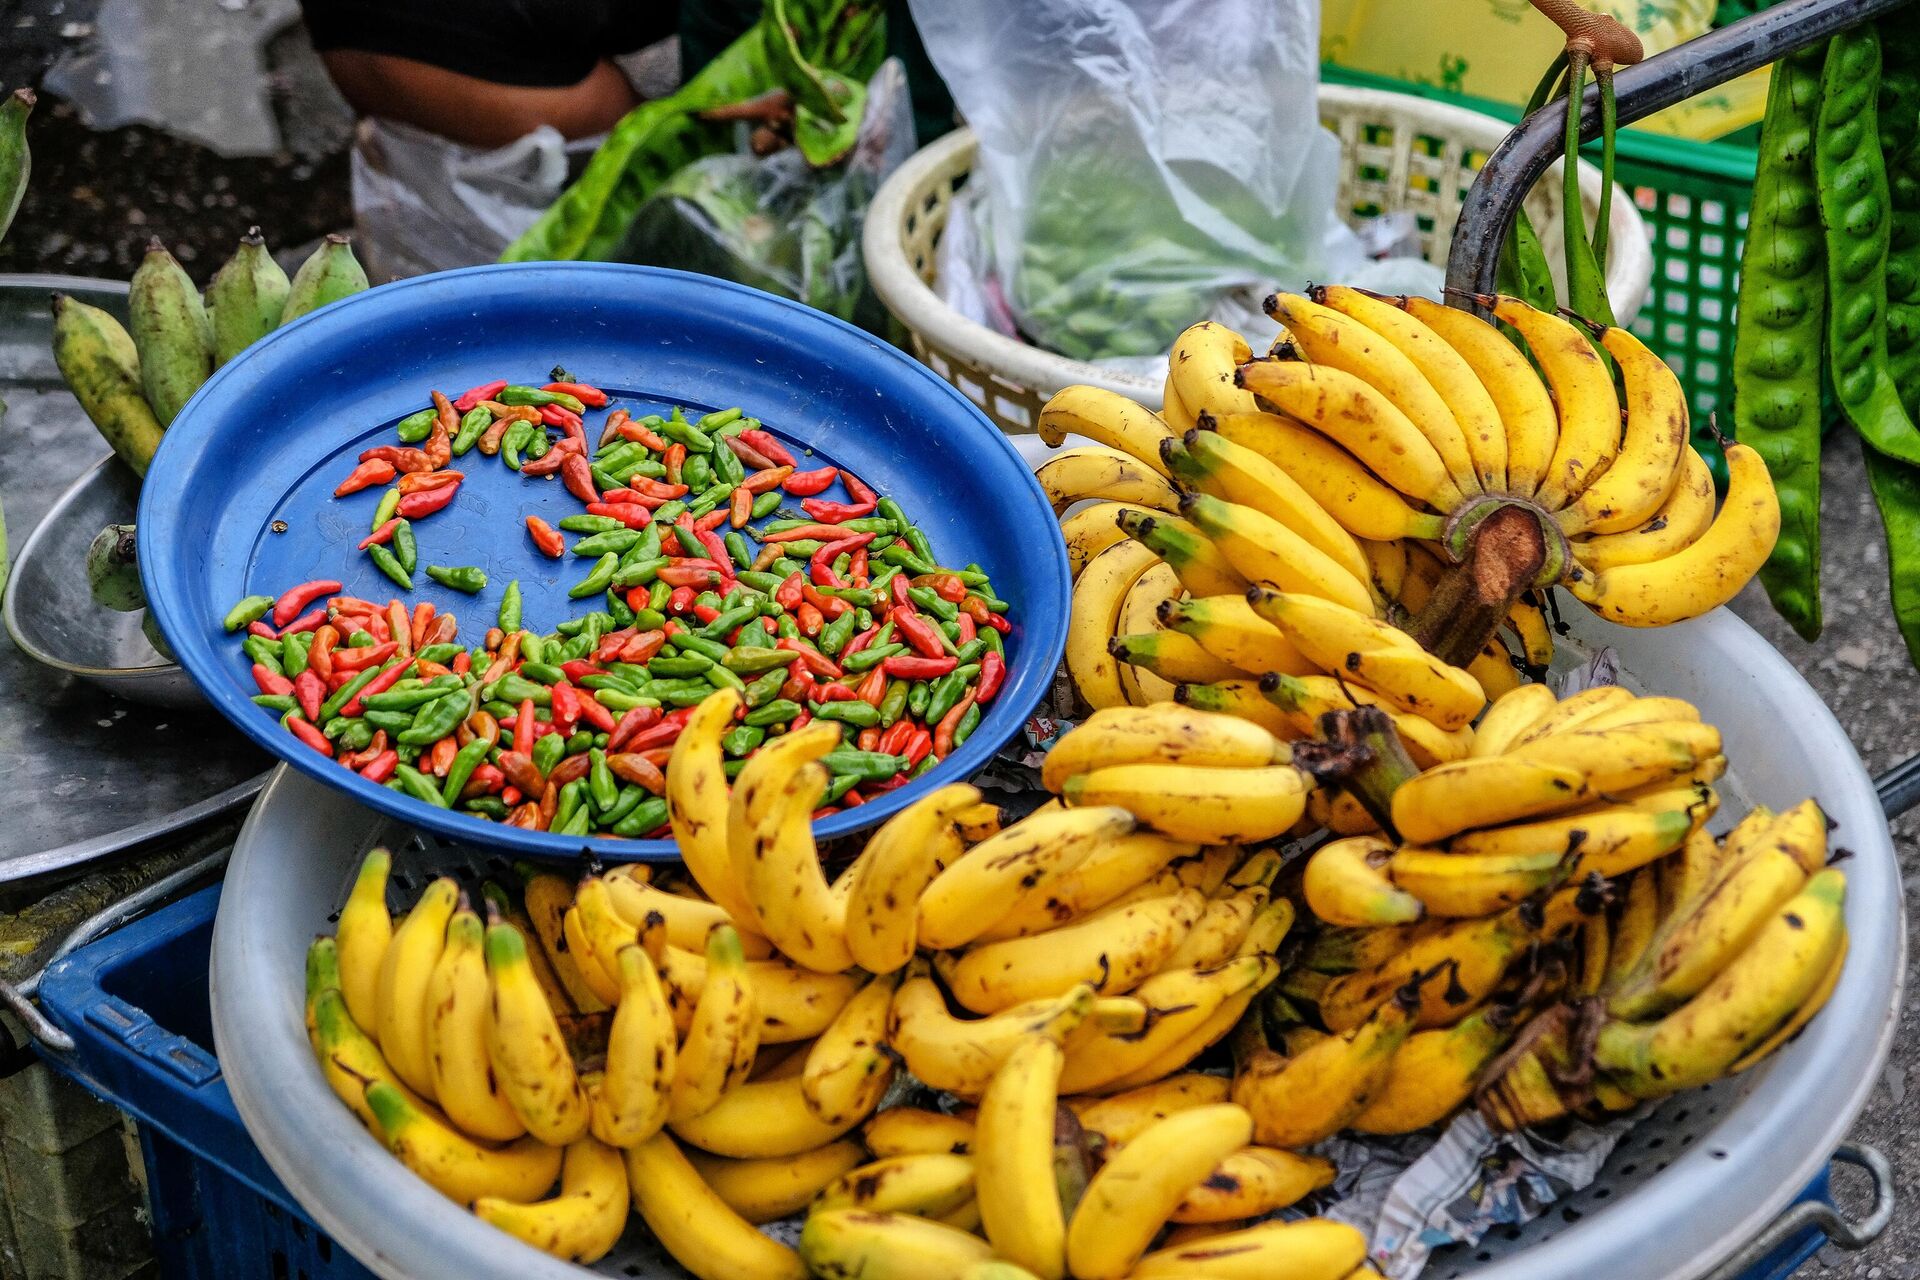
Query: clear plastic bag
[(1143, 158)]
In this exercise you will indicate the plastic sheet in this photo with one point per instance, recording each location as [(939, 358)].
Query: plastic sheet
[(1137, 167)]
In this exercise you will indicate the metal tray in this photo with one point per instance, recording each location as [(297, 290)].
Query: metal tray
[(89, 773), (1706, 1173)]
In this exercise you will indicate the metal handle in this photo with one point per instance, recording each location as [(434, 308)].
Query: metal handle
[(1493, 202), (1831, 1222)]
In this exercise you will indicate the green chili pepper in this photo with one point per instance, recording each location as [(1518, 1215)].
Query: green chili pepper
[(251, 609), (509, 620), (861, 715), (385, 561), (872, 656), (473, 425), (721, 678), (696, 440), (916, 538), (779, 711), (293, 653), (418, 785), (648, 815), (890, 511), (737, 548), (360, 640), (514, 441), (623, 804), (597, 579), (709, 600), (515, 689), (617, 700), (568, 804), (724, 624), (657, 595), (834, 636), (721, 418), (416, 427), (602, 788), (281, 702), (638, 572), (389, 503), (689, 541), (547, 752), (539, 443), (265, 652), (392, 721), (742, 738), (667, 512), (591, 524), (436, 720), (541, 672), (469, 578), (766, 504), (743, 659), (899, 554), (1776, 366), (917, 698), (682, 693), (727, 467), (617, 606), (930, 602), (764, 690), (968, 723), (346, 692), (503, 712), (678, 666), (893, 704), (839, 786), (687, 641), (464, 763), (410, 695), (872, 766), (697, 472), (487, 807), (534, 397), (619, 541), (925, 765)]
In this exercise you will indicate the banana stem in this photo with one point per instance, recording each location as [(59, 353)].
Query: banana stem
[(1603, 75), (1359, 750), (1505, 554)]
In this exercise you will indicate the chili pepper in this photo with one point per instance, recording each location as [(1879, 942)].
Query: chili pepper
[(630, 723), (469, 758), (415, 505), (819, 565), (369, 655), (918, 748), (546, 538), (633, 515), (309, 735), (374, 689), (917, 632), (413, 428), (405, 550), (764, 443), (346, 693), (534, 397), (764, 505), (641, 434), (309, 690), (746, 453), (916, 538), (697, 472), (566, 708), (468, 578), (261, 629), (385, 561), (597, 578), (932, 603), (909, 668), (853, 711), (294, 599), (381, 767), (367, 474), (835, 512), (436, 720), (472, 396), (683, 432), (993, 673), (834, 636), (251, 609), (873, 688), (969, 721), (554, 415), (644, 819), (293, 653), (590, 397), (579, 482), (779, 711), (418, 785), (271, 681)]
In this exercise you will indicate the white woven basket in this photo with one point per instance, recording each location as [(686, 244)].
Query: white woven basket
[(1397, 152)]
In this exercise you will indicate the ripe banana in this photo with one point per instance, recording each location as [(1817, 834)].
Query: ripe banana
[(1200, 369), (1107, 418), (1298, 1100), (1093, 528), (1231, 472), (547, 898), (849, 1068), (854, 1244), (927, 1186), (1095, 471), (1192, 556), (349, 1059), (983, 887), (1228, 628), (1469, 794), (1372, 653), (457, 999), (1097, 599), (762, 1118), (1113, 950), (1241, 698), (1433, 1074), (689, 920), (1589, 409), (1334, 478), (1527, 415), (724, 1035), (799, 910), (1013, 1159), (631, 1103), (1190, 802), (452, 1164), (530, 1059), (697, 805), (1252, 1183), (1139, 1188), (961, 1056), (695, 1225), (364, 931), (769, 1190), (1122, 1117), (901, 1131), (1682, 518), (1139, 613), (401, 995), (1188, 1009), (1216, 937), (1638, 482), (1311, 1249), (583, 1222), (1168, 657), (1307, 698), (1346, 883), (900, 861)]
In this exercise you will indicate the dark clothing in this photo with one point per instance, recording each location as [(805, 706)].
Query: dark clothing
[(534, 44)]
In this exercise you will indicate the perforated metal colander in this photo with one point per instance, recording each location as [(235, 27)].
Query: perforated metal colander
[(1680, 1194)]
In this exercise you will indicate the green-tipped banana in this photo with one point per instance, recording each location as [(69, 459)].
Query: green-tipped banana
[(330, 274), (151, 630), (15, 161), (112, 572), (96, 357), (246, 298), (170, 331)]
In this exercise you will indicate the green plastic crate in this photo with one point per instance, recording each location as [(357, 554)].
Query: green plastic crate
[(1694, 197)]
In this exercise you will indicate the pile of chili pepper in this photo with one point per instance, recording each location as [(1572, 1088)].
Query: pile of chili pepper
[(837, 611)]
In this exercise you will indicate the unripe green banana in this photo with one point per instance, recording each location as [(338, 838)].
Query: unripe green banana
[(152, 631), (98, 360), (332, 273), (246, 298), (113, 573), (171, 332), (15, 162)]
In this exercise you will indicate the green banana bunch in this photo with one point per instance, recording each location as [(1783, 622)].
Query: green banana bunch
[(15, 161), (98, 359), (170, 331), (332, 273), (247, 297)]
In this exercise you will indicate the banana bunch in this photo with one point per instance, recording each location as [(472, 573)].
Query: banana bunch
[(133, 385), (1377, 427)]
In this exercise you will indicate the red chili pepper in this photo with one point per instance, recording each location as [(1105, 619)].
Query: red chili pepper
[(566, 708), (641, 649), (809, 618), (270, 681), (688, 577), (401, 458), (804, 484), (894, 737), (360, 659), (904, 667), (484, 780), (748, 455), (801, 721), (415, 505), (352, 604), (634, 767), (593, 715), (993, 673), (578, 669), (399, 628), (366, 475), (261, 629), (642, 435), (832, 691), (765, 481), (789, 593), (651, 488), (899, 590), (918, 632), (917, 749), (519, 768), (705, 612), (611, 427), (945, 585), (857, 568), (474, 395), (551, 462), (308, 621), (377, 626), (716, 549), (857, 489), (294, 599), (320, 652), (999, 623), (381, 767), (445, 627), (868, 740), (835, 512), (546, 537), (379, 684), (421, 481), (853, 799), (740, 507), (417, 625), (873, 686), (830, 607), (820, 564), (592, 397), (659, 735), (524, 721), (681, 599), (310, 691), (762, 442), (859, 642), (673, 459), (567, 420), (311, 736), (351, 624), (512, 795), (575, 474), (609, 647), (630, 723), (798, 686), (943, 736), (965, 629), (711, 521), (816, 662), (440, 757), (462, 663), (631, 514)]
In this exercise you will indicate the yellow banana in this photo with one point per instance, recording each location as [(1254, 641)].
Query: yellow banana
[(1168, 657), (1616, 760), (451, 1163), (802, 915), (1573, 712), (1271, 924), (900, 861), (848, 1068), (695, 1225), (1234, 473), (1311, 1249), (1107, 418), (1228, 628), (364, 931), (1192, 556), (902, 1131), (1493, 670), (1784, 966), (978, 821), (1682, 518), (1705, 574), (349, 1059), (1187, 802), (1433, 1074), (772, 1189), (1801, 1016), (1095, 527), (1139, 614), (1373, 653), (1239, 698), (697, 805), (1136, 1190), (1450, 376), (1360, 420), (1097, 599), (1583, 391), (1182, 1008), (1642, 711), (1455, 885), (1261, 549), (1329, 339), (1216, 936), (689, 920), (1306, 698), (1013, 1159), (795, 1004), (1635, 923), (1346, 883), (1252, 1183), (854, 1244), (530, 1058), (547, 898), (1122, 1117), (1095, 471), (401, 993), (1468, 794), (1528, 623), (926, 1186), (583, 1222), (1612, 840), (1685, 877), (1113, 950), (1317, 1092), (960, 1055), (457, 999), (633, 1099), (595, 935), (1173, 410), (983, 887), (724, 1036), (1200, 369), (1526, 410), (1356, 498), (762, 1118), (1638, 482)]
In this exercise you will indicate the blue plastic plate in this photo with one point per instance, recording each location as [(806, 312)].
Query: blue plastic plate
[(239, 498)]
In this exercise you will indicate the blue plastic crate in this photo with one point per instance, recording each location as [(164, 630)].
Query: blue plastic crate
[(135, 1003)]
